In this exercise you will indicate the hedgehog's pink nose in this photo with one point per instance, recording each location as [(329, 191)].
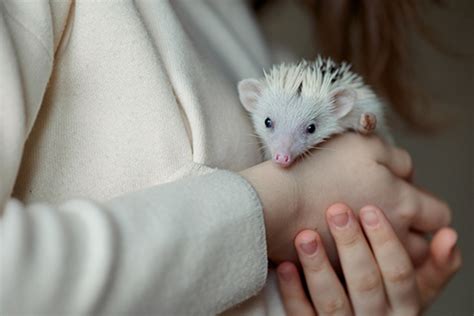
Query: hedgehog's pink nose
[(282, 159)]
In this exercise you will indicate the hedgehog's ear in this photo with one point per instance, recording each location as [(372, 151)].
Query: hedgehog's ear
[(343, 101), (249, 92)]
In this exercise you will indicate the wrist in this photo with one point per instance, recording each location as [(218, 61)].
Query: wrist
[(277, 191)]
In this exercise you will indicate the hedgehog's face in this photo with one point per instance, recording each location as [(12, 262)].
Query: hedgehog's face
[(288, 125)]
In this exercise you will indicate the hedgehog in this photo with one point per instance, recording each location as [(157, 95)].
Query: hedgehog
[(295, 107)]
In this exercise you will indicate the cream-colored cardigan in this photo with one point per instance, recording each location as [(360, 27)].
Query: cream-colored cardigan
[(115, 117)]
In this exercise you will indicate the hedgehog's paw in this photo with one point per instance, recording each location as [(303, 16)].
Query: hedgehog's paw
[(367, 123)]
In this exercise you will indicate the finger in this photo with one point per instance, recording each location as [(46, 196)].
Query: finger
[(396, 159), (292, 292), (417, 247), (326, 291), (426, 212), (358, 264), (444, 261), (394, 263)]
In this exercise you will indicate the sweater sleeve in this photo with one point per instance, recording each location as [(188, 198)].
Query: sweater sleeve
[(194, 245)]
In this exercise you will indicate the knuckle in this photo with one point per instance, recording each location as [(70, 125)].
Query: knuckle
[(368, 282), (332, 306), (314, 267), (408, 213), (383, 240), (350, 240), (409, 208), (400, 274)]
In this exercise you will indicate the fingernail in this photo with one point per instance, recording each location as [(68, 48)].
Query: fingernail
[(309, 247), (339, 217), (369, 217)]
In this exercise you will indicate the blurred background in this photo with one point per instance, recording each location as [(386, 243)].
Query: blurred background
[(444, 161)]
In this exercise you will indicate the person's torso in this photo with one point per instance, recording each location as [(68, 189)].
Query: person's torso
[(143, 93)]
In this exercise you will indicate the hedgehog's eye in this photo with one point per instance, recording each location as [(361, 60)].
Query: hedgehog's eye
[(268, 123), (310, 129)]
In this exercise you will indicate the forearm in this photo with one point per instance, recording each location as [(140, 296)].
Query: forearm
[(167, 249)]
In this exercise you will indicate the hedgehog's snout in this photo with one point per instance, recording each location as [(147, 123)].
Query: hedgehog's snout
[(283, 159), (282, 151)]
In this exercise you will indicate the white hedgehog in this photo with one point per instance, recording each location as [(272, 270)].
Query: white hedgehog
[(297, 106)]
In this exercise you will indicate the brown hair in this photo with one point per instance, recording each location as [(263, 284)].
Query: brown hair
[(373, 36)]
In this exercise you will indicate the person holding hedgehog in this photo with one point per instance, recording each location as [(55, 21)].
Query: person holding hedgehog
[(129, 184)]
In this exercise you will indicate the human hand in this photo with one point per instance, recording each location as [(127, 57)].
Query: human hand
[(380, 277), (352, 168)]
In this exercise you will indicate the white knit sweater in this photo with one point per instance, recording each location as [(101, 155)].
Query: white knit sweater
[(115, 118)]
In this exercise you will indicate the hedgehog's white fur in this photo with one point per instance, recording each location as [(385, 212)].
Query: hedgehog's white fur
[(295, 96)]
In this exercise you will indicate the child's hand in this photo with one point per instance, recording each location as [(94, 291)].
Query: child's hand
[(380, 278), (351, 168)]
